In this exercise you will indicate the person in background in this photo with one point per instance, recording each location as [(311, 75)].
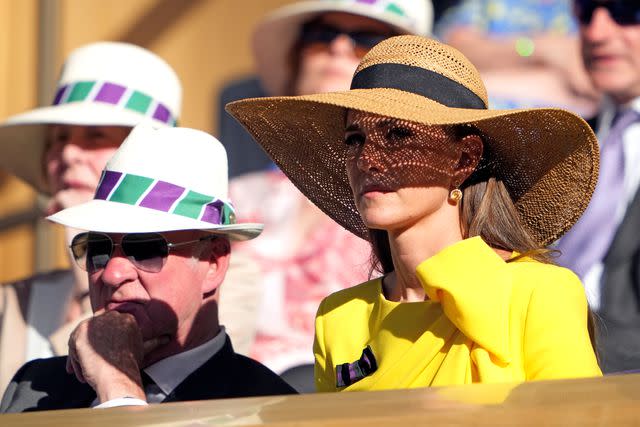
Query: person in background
[(526, 51), (458, 202), (603, 248), (308, 47), (104, 90), (156, 253)]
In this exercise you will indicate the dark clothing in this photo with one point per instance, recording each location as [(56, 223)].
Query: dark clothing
[(617, 321), (44, 384)]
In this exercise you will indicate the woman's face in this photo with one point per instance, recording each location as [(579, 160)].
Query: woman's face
[(74, 159), (401, 172)]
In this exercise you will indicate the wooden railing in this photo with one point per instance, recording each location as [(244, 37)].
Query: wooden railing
[(613, 400)]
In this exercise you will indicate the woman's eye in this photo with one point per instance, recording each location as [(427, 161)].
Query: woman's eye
[(398, 133), (354, 140)]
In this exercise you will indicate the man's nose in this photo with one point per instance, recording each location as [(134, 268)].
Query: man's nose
[(74, 148), (600, 27), (118, 270)]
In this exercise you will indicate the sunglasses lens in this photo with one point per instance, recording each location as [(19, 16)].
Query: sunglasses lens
[(91, 251), (147, 251), (319, 36), (623, 12)]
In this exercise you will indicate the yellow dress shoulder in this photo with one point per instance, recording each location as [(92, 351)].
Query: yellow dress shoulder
[(486, 320)]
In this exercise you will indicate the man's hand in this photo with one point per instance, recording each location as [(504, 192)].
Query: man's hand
[(106, 351)]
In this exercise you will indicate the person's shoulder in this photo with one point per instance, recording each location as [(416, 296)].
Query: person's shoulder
[(262, 381), (363, 294), (44, 384), (535, 277)]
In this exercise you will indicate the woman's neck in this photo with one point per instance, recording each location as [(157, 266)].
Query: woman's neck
[(414, 244)]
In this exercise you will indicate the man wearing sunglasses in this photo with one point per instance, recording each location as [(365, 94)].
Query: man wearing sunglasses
[(603, 247), (156, 256)]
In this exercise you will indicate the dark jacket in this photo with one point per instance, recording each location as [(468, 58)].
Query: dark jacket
[(44, 384)]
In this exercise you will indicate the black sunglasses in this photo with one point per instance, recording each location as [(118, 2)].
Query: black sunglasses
[(623, 12), (147, 251), (314, 33)]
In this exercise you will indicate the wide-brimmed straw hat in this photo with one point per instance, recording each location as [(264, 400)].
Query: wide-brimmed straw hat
[(101, 84), (276, 34), (162, 180), (547, 158)]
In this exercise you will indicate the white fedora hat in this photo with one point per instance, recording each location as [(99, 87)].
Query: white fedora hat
[(101, 84), (276, 34), (162, 180)]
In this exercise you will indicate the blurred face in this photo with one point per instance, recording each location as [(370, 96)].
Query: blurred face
[(164, 303), (611, 49), (74, 159), (328, 56), (402, 172)]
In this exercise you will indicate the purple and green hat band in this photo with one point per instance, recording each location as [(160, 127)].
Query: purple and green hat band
[(114, 94), (163, 196)]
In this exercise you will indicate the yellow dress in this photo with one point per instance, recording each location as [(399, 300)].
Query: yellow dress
[(487, 321)]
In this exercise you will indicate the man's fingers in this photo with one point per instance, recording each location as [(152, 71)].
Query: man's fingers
[(153, 343)]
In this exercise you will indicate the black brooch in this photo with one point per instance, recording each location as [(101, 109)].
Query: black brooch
[(349, 373)]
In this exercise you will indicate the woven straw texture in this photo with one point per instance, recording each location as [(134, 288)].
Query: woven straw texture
[(548, 158)]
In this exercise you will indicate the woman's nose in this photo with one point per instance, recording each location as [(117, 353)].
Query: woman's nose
[(370, 158)]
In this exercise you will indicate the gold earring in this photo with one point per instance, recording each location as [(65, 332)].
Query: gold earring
[(455, 195)]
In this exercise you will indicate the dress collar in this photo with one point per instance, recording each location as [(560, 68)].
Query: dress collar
[(473, 285)]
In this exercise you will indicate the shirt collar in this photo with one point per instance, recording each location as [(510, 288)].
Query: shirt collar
[(169, 372)]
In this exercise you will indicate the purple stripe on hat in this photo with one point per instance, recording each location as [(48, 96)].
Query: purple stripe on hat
[(162, 114), (59, 94), (162, 196), (367, 1), (110, 93), (107, 182), (212, 212)]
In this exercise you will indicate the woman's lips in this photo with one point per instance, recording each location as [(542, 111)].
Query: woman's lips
[(372, 190)]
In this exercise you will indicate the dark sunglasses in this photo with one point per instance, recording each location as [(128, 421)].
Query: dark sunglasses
[(147, 251), (623, 12), (321, 35)]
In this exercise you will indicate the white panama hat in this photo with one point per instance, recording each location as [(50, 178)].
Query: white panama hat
[(101, 84), (164, 179), (276, 34)]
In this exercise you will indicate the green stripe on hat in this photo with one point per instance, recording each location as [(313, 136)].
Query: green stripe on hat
[(138, 102), (80, 91), (130, 189), (394, 8), (192, 204)]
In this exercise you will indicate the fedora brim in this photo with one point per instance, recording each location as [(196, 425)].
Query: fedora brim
[(274, 37), (548, 158), (113, 217), (22, 137)]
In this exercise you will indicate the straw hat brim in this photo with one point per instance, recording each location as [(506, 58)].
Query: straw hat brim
[(274, 37), (125, 218), (548, 157), (22, 137)]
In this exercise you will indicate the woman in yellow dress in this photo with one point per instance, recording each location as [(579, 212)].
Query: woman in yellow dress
[(458, 202)]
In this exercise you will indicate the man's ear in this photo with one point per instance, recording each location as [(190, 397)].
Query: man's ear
[(219, 256), (470, 155)]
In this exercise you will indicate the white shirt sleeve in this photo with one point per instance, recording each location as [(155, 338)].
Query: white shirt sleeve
[(121, 401)]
